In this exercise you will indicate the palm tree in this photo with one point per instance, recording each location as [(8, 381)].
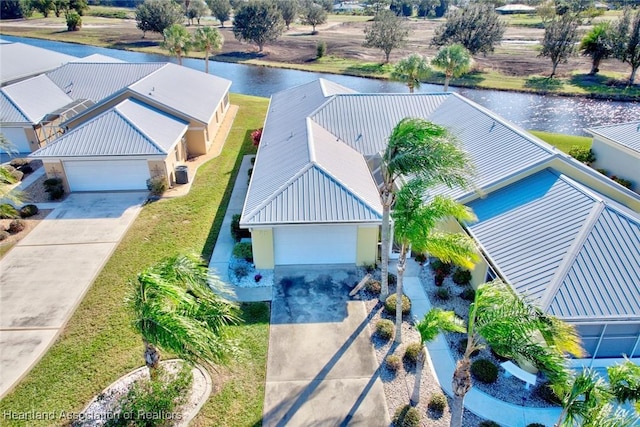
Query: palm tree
[(428, 152), (453, 60), (434, 322), (208, 39), (177, 40), (411, 71), (514, 329), (176, 310), (415, 226), (624, 380), (598, 44), (6, 194)]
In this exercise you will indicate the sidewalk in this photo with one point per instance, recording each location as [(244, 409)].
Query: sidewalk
[(219, 263), (443, 363)]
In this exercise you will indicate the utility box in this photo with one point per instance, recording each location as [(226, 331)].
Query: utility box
[(182, 174)]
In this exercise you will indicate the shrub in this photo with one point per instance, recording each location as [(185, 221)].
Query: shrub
[(461, 277), (26, 169), (7, 211), (469, 294), (393, 362), (236, 232), (157, 185), (321, 48), (443, 267), (241, 271), (244, 251), (369, 268), (420, 258), (406, 416), (488, 423), (437, 402), (3, 235), (412, 351), (603, 171), (373, 286), (536, 425), (10, 175), (256, 136), (438, 279), (393, 279), (250, 172), (545, 392), (624, 182), (390, 304), (74, 21), (16, 226), (443, 294), (54, 187), (28, 210), (484, 371), (160, 395), (384, 329), (16, 163), (582, 154)]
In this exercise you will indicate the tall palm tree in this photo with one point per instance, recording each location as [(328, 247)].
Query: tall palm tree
[(176, 310), (514, 329), (453, 60), (434, 322), (411, 70), (208, 39), (598, 44), (415, 225), (422, 149), (177, 40)]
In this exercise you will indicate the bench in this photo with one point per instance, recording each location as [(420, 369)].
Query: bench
[(513, 369)]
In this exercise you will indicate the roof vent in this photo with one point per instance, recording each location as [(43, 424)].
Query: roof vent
[(492, 126)]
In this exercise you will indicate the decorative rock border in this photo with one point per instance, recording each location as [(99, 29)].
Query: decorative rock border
[(101, 408)]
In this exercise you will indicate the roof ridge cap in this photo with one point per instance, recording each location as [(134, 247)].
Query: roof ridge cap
[(572, 254), (278, 190)]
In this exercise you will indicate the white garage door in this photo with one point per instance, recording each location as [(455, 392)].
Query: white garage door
[(107, 175), (18, 139), (319, 244)]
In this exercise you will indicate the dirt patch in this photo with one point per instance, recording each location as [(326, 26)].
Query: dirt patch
[(516, 56)]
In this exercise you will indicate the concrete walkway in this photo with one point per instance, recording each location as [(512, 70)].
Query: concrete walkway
[(321, 367), (45, 276), (219, 263), (476, 401)]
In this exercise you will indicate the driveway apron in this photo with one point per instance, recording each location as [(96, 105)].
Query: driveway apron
[(321, 368), (45, 276)]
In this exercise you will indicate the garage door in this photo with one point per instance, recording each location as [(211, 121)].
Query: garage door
[(18, 139), (326, 244), (107, 175)]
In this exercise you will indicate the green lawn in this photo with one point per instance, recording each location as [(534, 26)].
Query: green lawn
[(98, 344), (563, 141)]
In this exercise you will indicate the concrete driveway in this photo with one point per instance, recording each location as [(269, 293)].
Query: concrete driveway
[(45, 276), (321, 368)]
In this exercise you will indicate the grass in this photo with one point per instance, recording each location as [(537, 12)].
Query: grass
[(98, 344), (563, 141)]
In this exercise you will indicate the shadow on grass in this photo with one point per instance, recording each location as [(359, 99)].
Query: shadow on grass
[(368, 69), (254, 313), (546, 84), (238, 56)]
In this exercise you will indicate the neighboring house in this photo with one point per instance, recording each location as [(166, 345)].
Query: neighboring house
[(544, 225), (108, 145), (512, 9), (20, 61), (617, 150)]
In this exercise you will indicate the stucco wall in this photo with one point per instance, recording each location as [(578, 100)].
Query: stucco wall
[(262, 243), (367, 250), (617, 161), (54, 169)]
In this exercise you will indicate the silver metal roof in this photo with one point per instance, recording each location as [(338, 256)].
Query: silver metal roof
[(190, 92), (35, 98), (97, 81), (570, 250), (15, 66), (9, 113), (626, 134), (130, 128), (97, 58)]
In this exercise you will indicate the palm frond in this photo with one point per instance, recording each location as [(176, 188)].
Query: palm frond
[(606, 416), (625, 381), (454, 248), (436, 321), (582, 396)]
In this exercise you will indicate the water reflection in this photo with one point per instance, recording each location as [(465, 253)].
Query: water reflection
[(548, 113)]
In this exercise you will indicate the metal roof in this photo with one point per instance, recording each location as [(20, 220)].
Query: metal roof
[(35, 97), (626, 134), (9, 113), (567, 248), (97, 57), (97, 81), (130, 128), (15, 67), (190, 92)]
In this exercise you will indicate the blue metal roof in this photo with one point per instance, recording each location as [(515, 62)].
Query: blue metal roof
[(564, 246)]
